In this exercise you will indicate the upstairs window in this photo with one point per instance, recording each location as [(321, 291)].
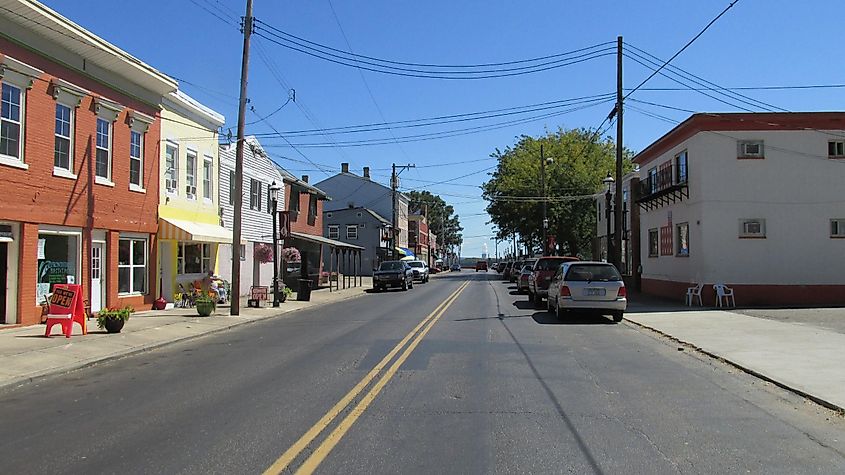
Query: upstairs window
[(255, 195), (207, 174), (171, 172), (836, 149), (334, 231), (681, 168), (63, 150), (351, 231), (136, 158), (191, 175), (11, 122), (750, 149), (837, 228), (752, 228), (103, 167)]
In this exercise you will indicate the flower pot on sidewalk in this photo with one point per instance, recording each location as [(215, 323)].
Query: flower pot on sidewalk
[(113, 319), (114, 325), (205, 306)]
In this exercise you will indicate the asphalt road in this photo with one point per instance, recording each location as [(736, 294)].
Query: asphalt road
[(468, 379)]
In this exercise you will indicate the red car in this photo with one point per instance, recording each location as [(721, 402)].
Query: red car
[(481, 265), (544, 269)]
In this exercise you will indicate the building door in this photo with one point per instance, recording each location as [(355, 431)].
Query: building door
[(97, 277), (4, 281)]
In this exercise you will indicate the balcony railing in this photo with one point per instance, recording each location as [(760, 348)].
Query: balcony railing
[(664, 181)]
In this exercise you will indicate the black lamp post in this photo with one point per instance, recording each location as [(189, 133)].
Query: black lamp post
[(274, 198), (608, 213), (543, 162)]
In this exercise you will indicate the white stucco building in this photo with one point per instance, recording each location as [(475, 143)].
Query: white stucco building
[(752, 200)]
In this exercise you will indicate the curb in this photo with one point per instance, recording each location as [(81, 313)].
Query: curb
[(32, 378), (822, 402)]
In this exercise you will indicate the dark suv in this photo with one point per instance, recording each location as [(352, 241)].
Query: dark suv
[(544, 269)]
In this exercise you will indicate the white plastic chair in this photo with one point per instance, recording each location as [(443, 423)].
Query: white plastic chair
[(725, 293), (692, 293)]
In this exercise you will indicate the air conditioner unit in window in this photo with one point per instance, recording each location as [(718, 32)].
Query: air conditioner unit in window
[(191, 190), (170, 185)]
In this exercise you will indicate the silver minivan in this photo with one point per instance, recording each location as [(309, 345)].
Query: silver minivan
[(590, 286)]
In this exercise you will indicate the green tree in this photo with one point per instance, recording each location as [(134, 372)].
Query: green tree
[(442, 219), (579, 164)]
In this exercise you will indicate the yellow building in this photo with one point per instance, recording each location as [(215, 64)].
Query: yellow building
[(189, 207)]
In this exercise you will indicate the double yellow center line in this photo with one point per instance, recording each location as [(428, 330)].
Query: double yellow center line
[(322, 451)]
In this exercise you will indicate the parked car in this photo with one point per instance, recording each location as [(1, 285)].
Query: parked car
[(590, 286), (455, 268), (481, 265), (500, 267), (514, 273), (544, 269), (420, 270), (507, 270), (393, 274), (524, 276)]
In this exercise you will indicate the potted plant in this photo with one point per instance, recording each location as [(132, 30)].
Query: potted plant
[(205, 305), (112, 319), (286, 292)]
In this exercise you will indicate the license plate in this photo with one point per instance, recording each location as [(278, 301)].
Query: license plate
[(594, 292)]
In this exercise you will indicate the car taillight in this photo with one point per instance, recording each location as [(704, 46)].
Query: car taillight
[(564, 291), (622, 292)]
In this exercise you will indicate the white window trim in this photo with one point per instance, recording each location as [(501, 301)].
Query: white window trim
[(71, 143), (64, 173), (137, 189), (190, 152), (8, 159), (143, 136), (63, 231), (210, 198), (132, 266), (107, 180), (741, 149), (336, 229), (180, 264), (175, 145), (352, 227), (760, 235)]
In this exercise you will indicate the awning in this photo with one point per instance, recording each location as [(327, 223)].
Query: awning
[(179, 230), (323, 240)]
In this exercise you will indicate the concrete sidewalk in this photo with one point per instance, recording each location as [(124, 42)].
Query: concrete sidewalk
[(800, 356), (27, 355)]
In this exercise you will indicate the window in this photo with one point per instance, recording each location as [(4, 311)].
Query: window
[(132, 266), (681, 167), (207, 174), (11, 121), (836, 149), (837, 227), (63, 153), (136, 158), (351, 231), (171, 172), (191, 175), (103, 149), (652, 179), (752, 228), (334, 231), (750, 149), (255, 195), (312, 209), (58, 260), (232, 189), (293, 204), (195, 258), (682, 238)]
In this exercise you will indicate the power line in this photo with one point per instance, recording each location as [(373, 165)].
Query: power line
[(746, 88), (683, 48)]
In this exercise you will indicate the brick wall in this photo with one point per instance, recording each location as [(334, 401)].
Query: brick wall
[(301, 224)]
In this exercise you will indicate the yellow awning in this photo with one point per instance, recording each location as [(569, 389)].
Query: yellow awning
[(179, 230)]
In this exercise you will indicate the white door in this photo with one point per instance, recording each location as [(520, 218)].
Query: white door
[(97, 277)]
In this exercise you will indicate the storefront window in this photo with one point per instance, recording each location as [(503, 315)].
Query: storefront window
[(194, 258), (132, 266), (58, 256)]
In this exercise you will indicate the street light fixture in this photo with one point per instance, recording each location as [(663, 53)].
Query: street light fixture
[(608, 212), (274, 199)]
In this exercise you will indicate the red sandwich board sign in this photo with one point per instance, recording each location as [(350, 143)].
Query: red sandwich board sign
[(284, 224), (66, 307)]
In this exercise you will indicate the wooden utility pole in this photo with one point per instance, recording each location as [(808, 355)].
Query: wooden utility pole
[(239, 167), (545, 223), (394, 184), (617, 216)]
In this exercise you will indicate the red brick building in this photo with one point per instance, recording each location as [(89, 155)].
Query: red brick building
[(78, 166), (418, 237)]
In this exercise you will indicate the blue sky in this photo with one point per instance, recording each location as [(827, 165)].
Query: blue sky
[(757, 43)]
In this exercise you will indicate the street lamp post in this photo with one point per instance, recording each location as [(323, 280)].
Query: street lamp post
[(274, 198), (608, 212), (543, 199)]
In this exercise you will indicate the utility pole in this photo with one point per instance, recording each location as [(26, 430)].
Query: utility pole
[(617, 216), (239, 166), (427, 236), (394, 184), (543, 201)]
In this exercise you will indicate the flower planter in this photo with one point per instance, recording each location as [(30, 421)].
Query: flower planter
[(205, 309), (114, 325)]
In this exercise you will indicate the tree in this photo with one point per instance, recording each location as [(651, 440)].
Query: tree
[(573, 178), (441, 218)]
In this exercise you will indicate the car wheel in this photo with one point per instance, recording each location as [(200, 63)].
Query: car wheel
[(617, 316), (558, 311), (411, 284)]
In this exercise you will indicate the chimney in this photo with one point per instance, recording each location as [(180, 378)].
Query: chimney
[(305, 178), (344, 167), (367, 173)]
